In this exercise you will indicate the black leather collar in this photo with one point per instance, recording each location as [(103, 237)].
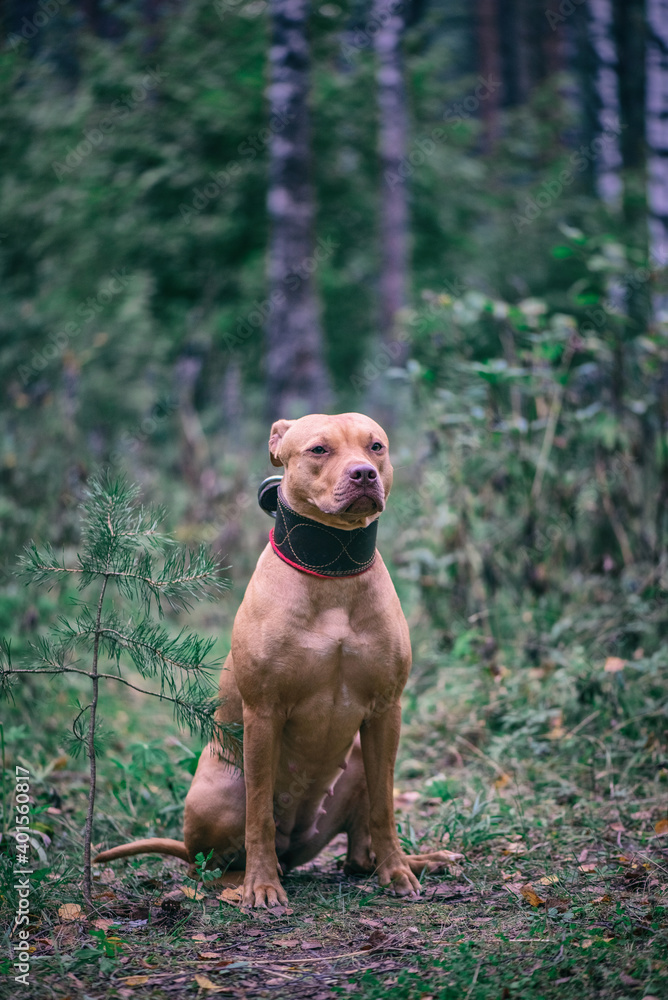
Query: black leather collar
[(312, 547)]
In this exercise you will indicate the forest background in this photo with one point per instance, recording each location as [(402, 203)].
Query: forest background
[(451, 216)]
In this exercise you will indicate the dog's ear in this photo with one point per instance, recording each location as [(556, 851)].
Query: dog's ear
[(278, 429)]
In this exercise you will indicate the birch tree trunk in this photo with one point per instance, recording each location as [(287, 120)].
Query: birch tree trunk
[(657, 129), (389, 19), (297, 380)]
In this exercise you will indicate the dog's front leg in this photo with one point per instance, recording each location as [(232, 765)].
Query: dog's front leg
[(262, 734), (380, 739)]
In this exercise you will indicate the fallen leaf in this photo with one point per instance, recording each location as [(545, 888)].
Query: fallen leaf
[(531, 895), (614, 664), (134, 980), (231, 896), (514, 887), (503, 780), (205, 983), (286, 942), (642, 814), (587, 869), (586, 942), (311, 945), (548, 880), (102, 923), (191, 893), (661, 827), (275, 982), (582, 856), (602, 899), (206, 956), (517, 848), (70, 911)]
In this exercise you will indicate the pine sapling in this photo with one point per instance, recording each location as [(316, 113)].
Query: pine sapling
[(123, 551)]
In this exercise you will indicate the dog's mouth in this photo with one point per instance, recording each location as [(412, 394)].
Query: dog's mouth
[(365, 504)]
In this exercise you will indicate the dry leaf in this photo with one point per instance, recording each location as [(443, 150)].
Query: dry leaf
[(531, 895), (311, 945), (642, 814), (586, 942), (503, 780), (582, 856), (614, 664), (286, 942), (231, 896), (514, 887), (517, 848), (548, 880), (134, 980), (70, 911), (587, 869), (191, 893), (206, 956), (661, 827), (602, 899), (205, 983), (102, 923)]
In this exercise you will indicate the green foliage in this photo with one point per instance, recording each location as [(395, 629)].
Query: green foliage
[(121, 545)]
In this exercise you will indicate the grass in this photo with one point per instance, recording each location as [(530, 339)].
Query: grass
[(562, 892), (547, 770)]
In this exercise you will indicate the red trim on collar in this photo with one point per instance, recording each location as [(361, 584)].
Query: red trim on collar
[(311, 572)]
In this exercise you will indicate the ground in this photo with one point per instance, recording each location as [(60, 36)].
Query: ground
[(555, 897)]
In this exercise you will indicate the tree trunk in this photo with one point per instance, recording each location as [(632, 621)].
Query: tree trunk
[(608, 160), (490, 68), (587, 68), (390, 21), (657, 128), (629, 34), (297, 380)]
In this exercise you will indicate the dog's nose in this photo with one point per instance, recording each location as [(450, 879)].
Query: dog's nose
[(362, 474)]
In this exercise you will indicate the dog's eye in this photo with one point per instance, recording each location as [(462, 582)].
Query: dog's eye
[(318, 450), (376, 446)]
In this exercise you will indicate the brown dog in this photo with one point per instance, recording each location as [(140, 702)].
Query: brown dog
[(318, 661)]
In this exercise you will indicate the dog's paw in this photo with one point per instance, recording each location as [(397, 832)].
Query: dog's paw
[(263, 892), (433, 862), (400, 879)]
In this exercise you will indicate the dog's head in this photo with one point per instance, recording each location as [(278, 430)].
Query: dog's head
[(337, 468)]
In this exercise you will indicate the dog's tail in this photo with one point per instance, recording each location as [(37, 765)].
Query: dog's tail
[(154, 845)]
